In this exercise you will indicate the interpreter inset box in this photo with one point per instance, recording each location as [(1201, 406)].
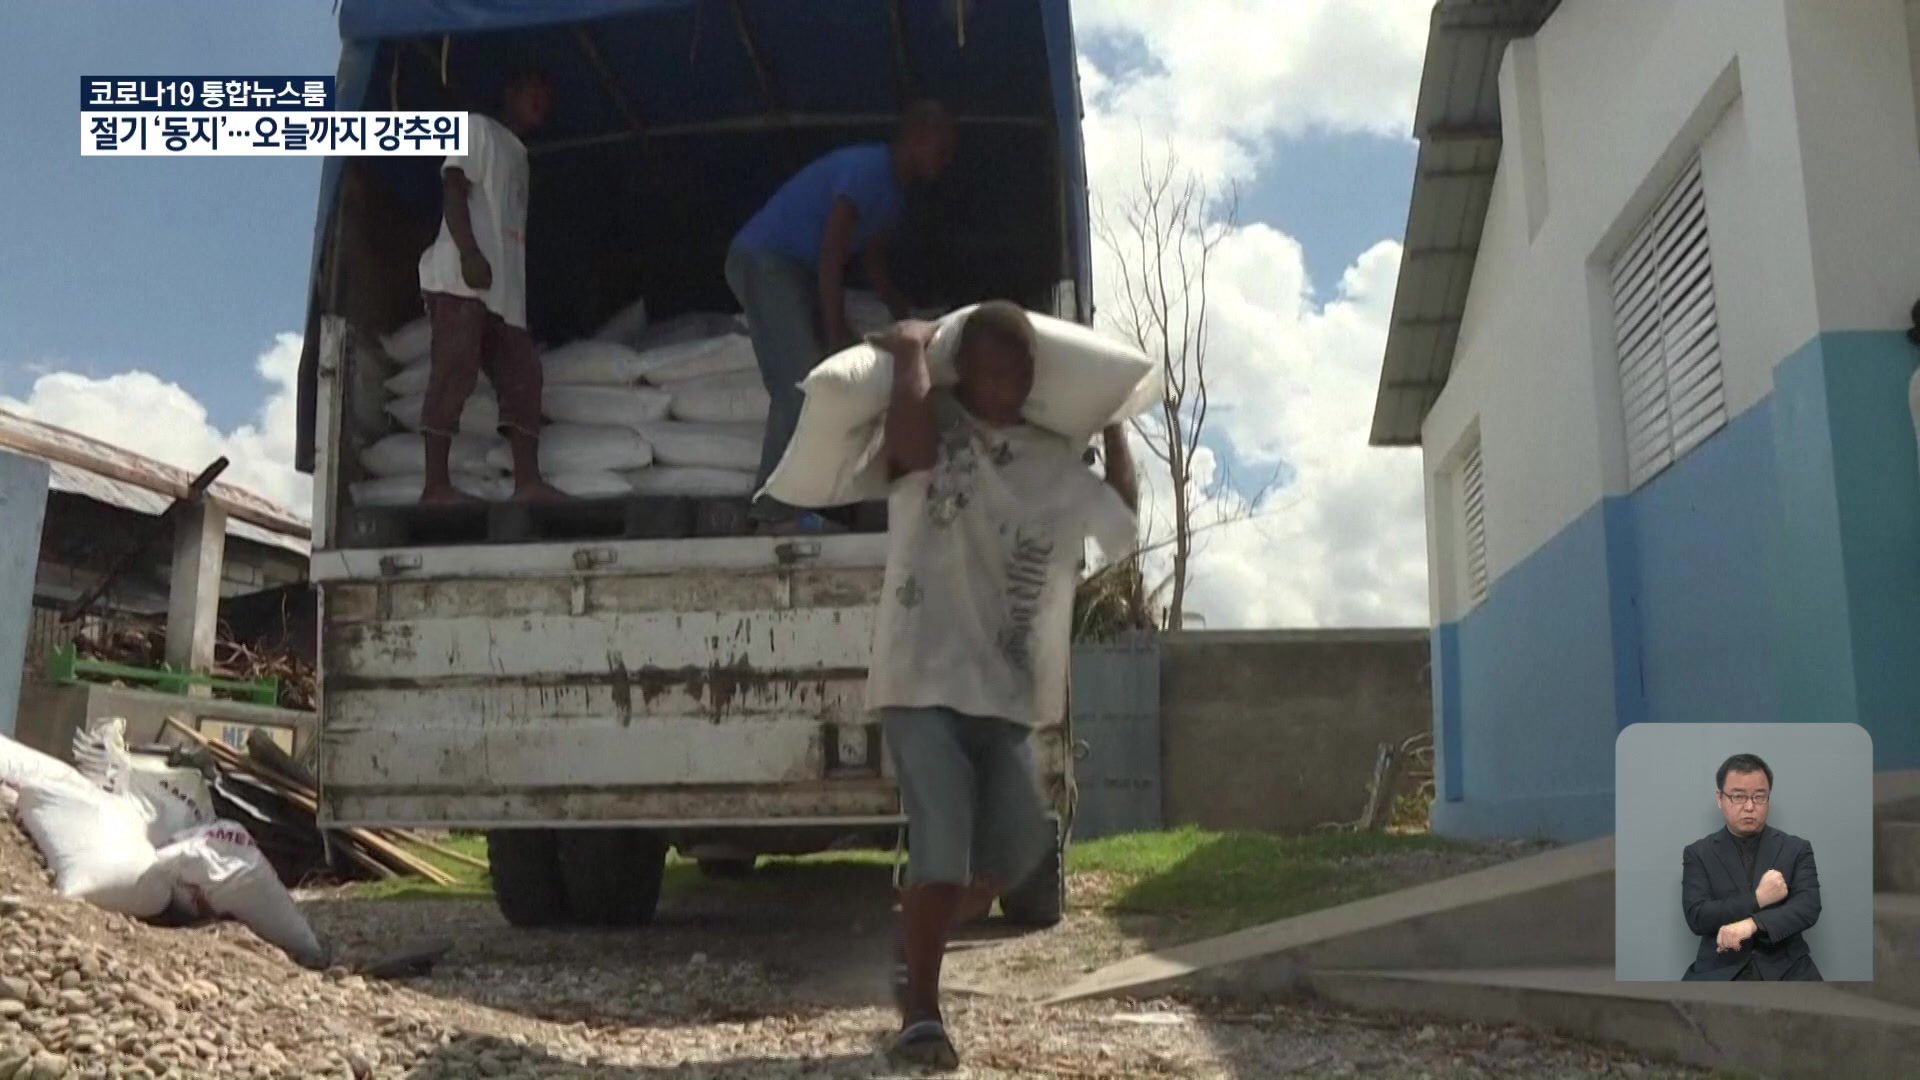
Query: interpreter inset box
[(1743, 853)]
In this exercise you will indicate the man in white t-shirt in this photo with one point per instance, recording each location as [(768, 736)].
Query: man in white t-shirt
[(474, 282), (988, 519)]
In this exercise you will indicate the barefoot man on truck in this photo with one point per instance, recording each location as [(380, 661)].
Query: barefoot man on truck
[(474, 281), (989, 518)]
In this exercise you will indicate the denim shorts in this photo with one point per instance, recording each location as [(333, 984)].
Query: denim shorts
[(975, 814)]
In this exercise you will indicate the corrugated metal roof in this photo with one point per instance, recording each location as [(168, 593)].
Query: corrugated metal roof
[(1457, 122), (109, 474)]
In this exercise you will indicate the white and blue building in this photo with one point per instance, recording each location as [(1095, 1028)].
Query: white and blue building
[(1649, 335)]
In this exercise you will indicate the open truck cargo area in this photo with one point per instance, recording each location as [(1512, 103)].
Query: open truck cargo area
[(596, 683)]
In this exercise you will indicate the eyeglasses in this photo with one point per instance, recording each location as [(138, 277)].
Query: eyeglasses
[(1752, 800)]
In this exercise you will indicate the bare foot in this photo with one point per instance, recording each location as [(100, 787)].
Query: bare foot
[(449, 496), (538, 491)]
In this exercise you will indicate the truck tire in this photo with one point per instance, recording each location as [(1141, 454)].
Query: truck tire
[(727, 868), (612, 876), (525, 871), (1040, 901)]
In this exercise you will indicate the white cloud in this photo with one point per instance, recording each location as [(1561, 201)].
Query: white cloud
[(147, 415), (1292, 382), (1226, 78)]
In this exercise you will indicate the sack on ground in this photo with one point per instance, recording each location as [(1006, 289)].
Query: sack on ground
[(622, 406), (626, 326), (591, 363), (690, 482), (712, 446), (100, 755), (667, 365), (693, 326), (217, 871), (412, 379), (590, 484), (1082, 382), (406, 490), (96, 846), (23, 765), (736, 398), (568, 448), (404, 453), (480, 415), (410, 342)]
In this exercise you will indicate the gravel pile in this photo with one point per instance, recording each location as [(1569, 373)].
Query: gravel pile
[(780, 978)]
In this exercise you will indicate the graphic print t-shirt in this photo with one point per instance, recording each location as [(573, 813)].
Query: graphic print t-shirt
[(495, 166), (985, 553)]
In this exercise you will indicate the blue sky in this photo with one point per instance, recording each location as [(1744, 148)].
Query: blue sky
[(187, 268)]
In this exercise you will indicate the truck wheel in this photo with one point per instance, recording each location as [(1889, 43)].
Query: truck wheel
[(1040, 901), (727, 868), (612, 876), (525, 870)]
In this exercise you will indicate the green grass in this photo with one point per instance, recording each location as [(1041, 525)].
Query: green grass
[(1209, 881), (1223, 881)]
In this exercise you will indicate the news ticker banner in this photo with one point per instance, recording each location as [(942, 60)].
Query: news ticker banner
[(196, 116)]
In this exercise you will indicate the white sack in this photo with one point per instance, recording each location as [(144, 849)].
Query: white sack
[(410, 342), (695, 326), (670, 364), (412, 379), (480, 416), (404, 453), (690, 482), (712, 446), (1082, 382), (405, 490), (23, 765), (583, 448), (590, 484), (626, 326), (217, 871), (591, 363), (100, 755), (735, 398), (178, 798), (622, 406), (96, 845)]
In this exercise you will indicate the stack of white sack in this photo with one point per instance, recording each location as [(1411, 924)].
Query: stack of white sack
[(396, 466), (139, 850), (674, 409), (1082, 381)]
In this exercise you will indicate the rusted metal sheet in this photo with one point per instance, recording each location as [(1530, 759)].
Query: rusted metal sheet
[(842, 803), (723, 693), (646, 645)]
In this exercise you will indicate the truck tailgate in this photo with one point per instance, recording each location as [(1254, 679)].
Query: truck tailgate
[(687, 682)]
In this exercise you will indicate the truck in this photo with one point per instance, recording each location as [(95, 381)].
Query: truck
[(598, 688)]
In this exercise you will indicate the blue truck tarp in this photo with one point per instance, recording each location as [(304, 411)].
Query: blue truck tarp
[(624, 67)]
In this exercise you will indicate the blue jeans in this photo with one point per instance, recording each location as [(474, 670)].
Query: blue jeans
[(975, 814), (781, 298)]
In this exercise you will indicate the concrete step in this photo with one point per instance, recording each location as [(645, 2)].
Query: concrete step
[(1896, 856), (1896, 951), (1896, 795), (1551, 908), (1783, 1031)]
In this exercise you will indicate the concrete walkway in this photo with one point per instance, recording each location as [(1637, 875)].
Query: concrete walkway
[(1531, 942)]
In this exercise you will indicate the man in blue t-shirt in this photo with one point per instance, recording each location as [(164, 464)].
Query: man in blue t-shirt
[(788, 268)]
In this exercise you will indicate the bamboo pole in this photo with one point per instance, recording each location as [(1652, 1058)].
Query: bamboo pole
[(309, 802)]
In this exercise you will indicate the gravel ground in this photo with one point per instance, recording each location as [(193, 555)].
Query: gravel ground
[(781, 976)]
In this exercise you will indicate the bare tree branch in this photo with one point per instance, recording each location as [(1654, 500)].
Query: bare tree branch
[(1162, 236)]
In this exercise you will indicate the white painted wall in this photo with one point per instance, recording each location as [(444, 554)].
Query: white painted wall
[(1623, 94)]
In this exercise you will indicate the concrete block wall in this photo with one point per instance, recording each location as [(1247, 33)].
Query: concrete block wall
[(1276, 731)]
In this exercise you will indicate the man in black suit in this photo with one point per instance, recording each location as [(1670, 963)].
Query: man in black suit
[(1749, 890)]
